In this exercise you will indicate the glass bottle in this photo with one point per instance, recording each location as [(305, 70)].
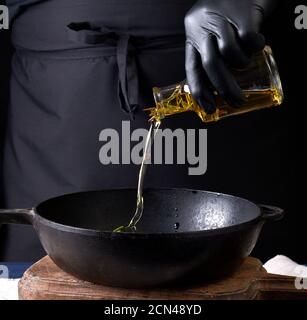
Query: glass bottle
[(260, 83)]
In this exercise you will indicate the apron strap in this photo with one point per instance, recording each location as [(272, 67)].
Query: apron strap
[(128, 84), (128, 89)]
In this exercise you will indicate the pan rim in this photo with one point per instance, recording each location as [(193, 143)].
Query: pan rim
[(110, 234)]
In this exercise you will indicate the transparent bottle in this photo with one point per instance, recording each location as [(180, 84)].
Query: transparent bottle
[(260, 83)]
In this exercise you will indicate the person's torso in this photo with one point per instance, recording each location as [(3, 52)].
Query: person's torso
[(42, 26)]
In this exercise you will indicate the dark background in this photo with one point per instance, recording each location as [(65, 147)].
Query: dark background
[(5, 53), (289, 45), (280, 166)]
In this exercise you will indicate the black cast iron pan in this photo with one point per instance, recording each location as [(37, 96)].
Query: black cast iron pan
[(184, 236)]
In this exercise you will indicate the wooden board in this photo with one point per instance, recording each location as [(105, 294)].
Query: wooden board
[(45, 281)]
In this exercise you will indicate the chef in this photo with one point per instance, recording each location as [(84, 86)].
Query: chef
[(80, 66)]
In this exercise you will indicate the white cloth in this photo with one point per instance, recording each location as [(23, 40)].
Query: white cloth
[(9, 289), (284, 266)]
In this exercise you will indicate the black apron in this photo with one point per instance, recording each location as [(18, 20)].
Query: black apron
[(80, 67)]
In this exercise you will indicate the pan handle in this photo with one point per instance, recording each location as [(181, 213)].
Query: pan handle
[(19, 216), (271, 213)]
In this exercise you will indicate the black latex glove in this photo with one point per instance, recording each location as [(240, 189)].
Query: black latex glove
[(222, 34)]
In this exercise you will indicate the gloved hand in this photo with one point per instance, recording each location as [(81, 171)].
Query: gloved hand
[(222, 34)]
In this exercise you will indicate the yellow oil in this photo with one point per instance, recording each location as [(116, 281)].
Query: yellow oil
[(131, 227), (180, 101)]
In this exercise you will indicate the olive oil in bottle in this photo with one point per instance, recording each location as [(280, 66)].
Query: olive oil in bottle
[(180, 100), (259, 81)]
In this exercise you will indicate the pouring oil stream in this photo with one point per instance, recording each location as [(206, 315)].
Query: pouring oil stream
[(131, 227)]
